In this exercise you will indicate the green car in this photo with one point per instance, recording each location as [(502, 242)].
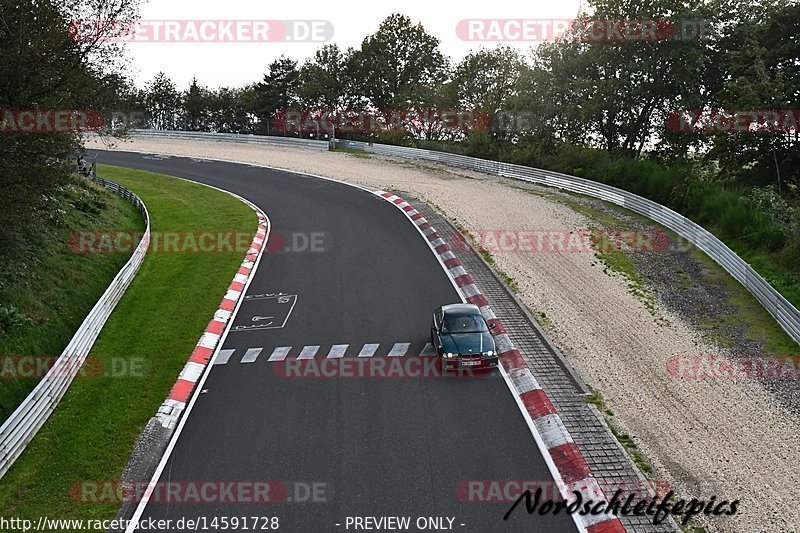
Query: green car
[(462, 338)]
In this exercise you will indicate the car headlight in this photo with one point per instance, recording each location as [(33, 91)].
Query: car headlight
[(449, 355), (490, 353)]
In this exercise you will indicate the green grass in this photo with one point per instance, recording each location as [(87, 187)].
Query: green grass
[(630, 446), (158, 322), (613, 257), (352, 151), (616, 260), (540, 317), (606, 250), (758, 324), (486, 254), (626, 440), (41, 311), (571, 201)]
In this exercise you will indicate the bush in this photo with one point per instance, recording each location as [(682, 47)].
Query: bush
[(11, 319)]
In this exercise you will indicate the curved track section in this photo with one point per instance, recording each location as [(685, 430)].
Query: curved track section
[(393, 446)]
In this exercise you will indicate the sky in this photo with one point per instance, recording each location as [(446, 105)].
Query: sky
[(232, 64)]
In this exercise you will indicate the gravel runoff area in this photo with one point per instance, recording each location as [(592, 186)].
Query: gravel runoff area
[(729, 438)]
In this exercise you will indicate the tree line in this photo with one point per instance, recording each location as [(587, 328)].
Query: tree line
[(599, 109), (612, 96)]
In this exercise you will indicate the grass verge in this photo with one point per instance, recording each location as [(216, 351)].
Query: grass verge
[(154, 328), (749, 314), (757, 323), (41, 311), (627, 442), (352, 151)]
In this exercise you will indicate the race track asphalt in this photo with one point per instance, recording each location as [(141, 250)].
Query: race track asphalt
[(399, 445)]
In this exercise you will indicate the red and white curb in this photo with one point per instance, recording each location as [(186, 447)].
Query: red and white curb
[(172, 408), (567, 465)]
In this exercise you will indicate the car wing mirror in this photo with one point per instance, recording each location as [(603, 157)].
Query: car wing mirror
[(493, 325)]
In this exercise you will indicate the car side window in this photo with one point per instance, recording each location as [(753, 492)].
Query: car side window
[(439, 317)]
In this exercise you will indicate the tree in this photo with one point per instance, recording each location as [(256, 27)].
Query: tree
[(617, 95), (162, 102), (229, 110), (759, 71), (45, 65), (488, 78), (196, 105), (277, 91), (325, 80), (399, 65)]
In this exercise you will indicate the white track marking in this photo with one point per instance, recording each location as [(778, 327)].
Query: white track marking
[(308, 352), (145, 498), (337, 351), (192, 371), (368, 350), (208, 340), (222, 315), (233, 294), (545, 454), (399, 349), (458, 271), (543, 451), (428, 350), (251, 355), (280, 353), (223, 357)]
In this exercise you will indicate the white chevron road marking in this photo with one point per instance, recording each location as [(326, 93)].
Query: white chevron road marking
[(280, 353), (336, 351), (308, 352), (368, 350), (251, 355), (399, 349)]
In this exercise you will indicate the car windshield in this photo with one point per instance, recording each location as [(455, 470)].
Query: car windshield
[(463, 324)]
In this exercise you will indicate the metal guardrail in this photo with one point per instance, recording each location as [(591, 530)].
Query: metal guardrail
[(786, 314), (234, 137), (23, 424)]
